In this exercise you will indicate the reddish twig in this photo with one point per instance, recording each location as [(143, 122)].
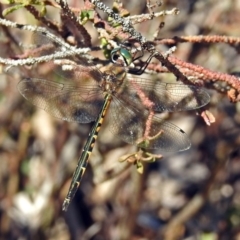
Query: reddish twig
[(201, 39), (208, 75)]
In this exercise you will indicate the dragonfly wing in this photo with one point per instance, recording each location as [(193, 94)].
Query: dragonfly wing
[(130, 125), (170, 97), (79, 74), (168, 137), (41, 45), (63, 101)]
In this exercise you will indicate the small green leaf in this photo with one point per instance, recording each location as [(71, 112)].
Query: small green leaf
[(144, 143), (140, 167), (43, 11), (208, 236), (11, 9), (25, 167), (6, 1), (86, 15), (106, 54), (117, 6)]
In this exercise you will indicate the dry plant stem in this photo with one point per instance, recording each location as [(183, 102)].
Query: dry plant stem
[(193, 206), (171, 67), (114, 172), (129, 223), (69, 51), (144, 17), (235, 41), (125, 23), (156, 68), (149, 105), (198, 201), (42, 30), (37, 16), (151, 6), (201, 73), (66, 11), (7, 33), (31, 61), (207, 75), (17, 156)]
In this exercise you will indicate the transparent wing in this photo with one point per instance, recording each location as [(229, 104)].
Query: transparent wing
[(168, 97), (78, 74), (42, 45), (63, 101), (130, 125)]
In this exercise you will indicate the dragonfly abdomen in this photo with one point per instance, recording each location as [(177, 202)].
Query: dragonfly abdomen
[(83, 160)]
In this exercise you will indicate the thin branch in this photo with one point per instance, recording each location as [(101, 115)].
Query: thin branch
[(148, 16), (125, 22), (66, 11), (42, 30), (235, 41), (40, 18), (207, 75), (47, 58)]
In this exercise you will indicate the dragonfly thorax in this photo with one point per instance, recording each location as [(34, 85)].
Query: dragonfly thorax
[(112, 79), (110, 84)]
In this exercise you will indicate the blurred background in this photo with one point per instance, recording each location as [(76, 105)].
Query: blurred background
[(194, 194)]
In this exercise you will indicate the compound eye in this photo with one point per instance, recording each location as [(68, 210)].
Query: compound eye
[(121, 56), (126, 56)]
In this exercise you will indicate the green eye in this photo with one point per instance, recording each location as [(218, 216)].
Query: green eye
[(126, 55), (123, 53)]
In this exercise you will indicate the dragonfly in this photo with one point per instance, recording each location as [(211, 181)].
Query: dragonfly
[(87, 99)]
